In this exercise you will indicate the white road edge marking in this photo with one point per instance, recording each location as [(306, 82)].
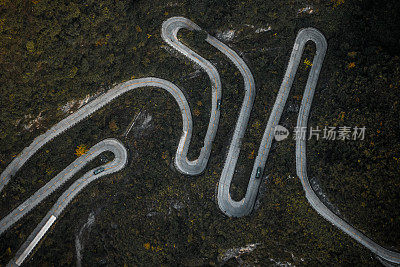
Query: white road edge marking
[(36, 240)]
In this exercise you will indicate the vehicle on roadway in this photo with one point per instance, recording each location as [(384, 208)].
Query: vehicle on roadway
[(219, 104), (258, 173), (99, 170)]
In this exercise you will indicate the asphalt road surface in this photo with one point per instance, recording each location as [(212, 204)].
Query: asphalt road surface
[(169, 31), (228, 206), (301, 165)]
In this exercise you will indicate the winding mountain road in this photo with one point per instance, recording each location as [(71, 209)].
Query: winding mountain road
[(301, 164), (169, 31), (119, 162), (228, 206)]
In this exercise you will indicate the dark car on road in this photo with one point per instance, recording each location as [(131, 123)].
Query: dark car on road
[(258, 173), (99, 170)]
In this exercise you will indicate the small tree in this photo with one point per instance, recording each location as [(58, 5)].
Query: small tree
[(81, 150)]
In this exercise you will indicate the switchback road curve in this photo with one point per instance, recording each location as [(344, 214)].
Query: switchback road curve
[(301, 164), (170, 29), (119, 162)]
